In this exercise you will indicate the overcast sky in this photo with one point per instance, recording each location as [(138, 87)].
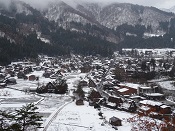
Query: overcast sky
[(156, 3)]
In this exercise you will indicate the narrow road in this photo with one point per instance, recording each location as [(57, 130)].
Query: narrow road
[(53, 116)]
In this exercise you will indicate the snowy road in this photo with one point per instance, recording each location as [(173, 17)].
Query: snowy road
[(53, 116)]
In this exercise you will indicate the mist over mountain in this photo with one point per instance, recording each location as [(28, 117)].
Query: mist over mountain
[(60, 28), (110, 16), (41, 4), (172, 9)]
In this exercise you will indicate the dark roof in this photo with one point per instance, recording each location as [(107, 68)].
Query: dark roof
[(113, 119)]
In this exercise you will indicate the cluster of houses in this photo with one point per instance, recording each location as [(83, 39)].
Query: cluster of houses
[(141, 68), (159, 53), (101, 86)]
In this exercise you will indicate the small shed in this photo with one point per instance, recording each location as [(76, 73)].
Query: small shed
[(114, 121), (79, 102)]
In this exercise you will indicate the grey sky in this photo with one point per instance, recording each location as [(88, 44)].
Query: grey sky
[(156, 3)]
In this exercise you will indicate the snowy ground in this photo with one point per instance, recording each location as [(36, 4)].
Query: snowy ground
[(11, 99), (86, 118), (169, 85), (67, 118)]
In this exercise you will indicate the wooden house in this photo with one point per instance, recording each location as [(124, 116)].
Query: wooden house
[(155, 109), (137, 98), (47, 74), (83, 83), (164, 109), (114, 121), (20, 75), (145, 90), (153, 105), (86, 69), (58, 88), (50, 87), (114, 102), (155, 115), (91, 83), (154, 96), (125, 90), (94, 96), (144, 110), (32, 77), (115, 99)]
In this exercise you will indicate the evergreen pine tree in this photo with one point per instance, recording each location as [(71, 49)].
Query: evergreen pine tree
[(28, 118)]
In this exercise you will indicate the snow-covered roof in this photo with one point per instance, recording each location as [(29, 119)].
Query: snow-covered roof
[(131, 85), (144, 108), (116, 87), (123, 90), (150, 102), (164, 106), (154, 94), (145, 87), (135, 97), (108, 77)]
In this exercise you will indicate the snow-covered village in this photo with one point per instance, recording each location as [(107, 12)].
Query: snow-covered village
[(133, 90), (87, 65)]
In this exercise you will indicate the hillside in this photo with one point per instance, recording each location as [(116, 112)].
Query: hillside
[(110, 16), (30, 33), (85, 28)]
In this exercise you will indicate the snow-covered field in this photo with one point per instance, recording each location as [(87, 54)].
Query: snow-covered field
[(86, 118), (69, 117), (12, 99)]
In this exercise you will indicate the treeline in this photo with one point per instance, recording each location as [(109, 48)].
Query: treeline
[(138, 41), (63, 42), (82, 43), (10, 51)]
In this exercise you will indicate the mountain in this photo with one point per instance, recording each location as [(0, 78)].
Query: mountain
[(66, 16), (110, 16), (82, 28), (26, 32)]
